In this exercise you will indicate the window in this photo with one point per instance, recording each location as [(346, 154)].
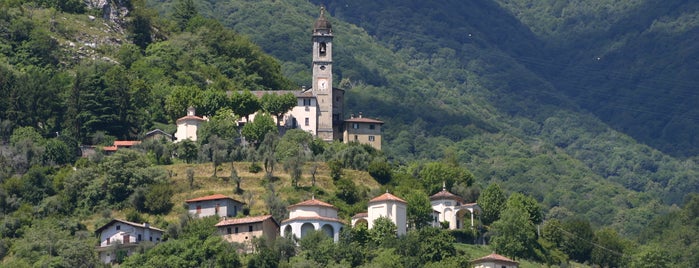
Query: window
[(322, 48), (118, 227), (306, 102), (228, 230), (236, 230), (108, 241), (198, 209), (355, 125), (371, 138), (250, 228), (356, 137), (150, 238), (307, 121), (216, 208), (139, 238), (372, 126)]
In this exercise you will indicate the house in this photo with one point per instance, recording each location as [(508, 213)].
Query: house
[(244, 230), (494, 261), (119, 238), (116, 145), (312, 215), (363, 130), (387, 206), (218, 204), (320, 109), (188, 125), (157, 135), (452, 208)]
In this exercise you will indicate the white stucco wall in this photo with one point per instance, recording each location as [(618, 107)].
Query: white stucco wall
[(227, 208), (395, 211)]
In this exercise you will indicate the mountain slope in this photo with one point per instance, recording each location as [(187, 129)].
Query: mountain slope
[(440, 91)]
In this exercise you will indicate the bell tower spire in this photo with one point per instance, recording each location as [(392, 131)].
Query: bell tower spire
[(322, 75)]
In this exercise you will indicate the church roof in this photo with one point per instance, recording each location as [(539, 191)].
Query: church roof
[(387, 197), (444, 194), (494, 257), (322, 23), (313, 203), (210, 197), (189, 117)]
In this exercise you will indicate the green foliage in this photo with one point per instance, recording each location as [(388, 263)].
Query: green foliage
[(434, 174), (492, 202), (578, 239), (383, 231), (526, 203), (514, 235), (158, 198), (380, 170), (419, 210), (255, 131), (609, 249), (347, 191), (278, 105)]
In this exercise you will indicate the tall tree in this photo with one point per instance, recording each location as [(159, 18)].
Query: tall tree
[(183, 12), (492, 202), (278, 105), (419, 209), (514, 234), (255, 131), (244, 104)]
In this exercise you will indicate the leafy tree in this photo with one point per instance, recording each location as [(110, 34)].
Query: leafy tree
[(212, 101), (609, 249), (267, 152), (577, 242), (216, 151), (346, 191), (278, 105), (514, 234), (183, 12), (294, 143), (383, 231), (492, 202), (158, 198), (294, 166), (255, 132), (528, 204), (235, 178), (652, 256), (434, 174), (380, 170), (187, 150), (335, 169), (180, 99), (419, 209), (244, 104)]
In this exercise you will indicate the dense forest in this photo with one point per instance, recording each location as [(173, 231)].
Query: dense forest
[(554, 118)]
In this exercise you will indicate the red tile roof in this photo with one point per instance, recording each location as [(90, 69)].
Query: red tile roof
[(126, 143), (387, 197), (246, 220), (189, 117), (310, 218), (210, 197), (494, 257), (444, 194), (312, 202), (109, 148)]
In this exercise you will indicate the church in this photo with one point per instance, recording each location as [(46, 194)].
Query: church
[(320, 109)]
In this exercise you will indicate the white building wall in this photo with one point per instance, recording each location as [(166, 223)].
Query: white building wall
[(187, 130), (395, 211), (227, 208)]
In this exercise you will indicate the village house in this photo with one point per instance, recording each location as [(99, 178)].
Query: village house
[(363, 130), (188, 125), (452, 208), (157, 135), (244, 230), (119, 238), (218, 204), (312, 215), (494, 261)]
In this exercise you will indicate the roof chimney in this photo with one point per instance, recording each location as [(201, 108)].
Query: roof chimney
[(360, 114), (190, 111)]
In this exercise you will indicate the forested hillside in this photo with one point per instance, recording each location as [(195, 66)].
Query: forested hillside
[(498, 100)]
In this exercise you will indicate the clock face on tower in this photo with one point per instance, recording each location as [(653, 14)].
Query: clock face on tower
[(322, 84)]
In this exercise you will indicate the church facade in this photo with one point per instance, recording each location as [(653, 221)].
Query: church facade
[(320, 109)]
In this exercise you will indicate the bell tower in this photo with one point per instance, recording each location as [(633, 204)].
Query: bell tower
[(323, 75)]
